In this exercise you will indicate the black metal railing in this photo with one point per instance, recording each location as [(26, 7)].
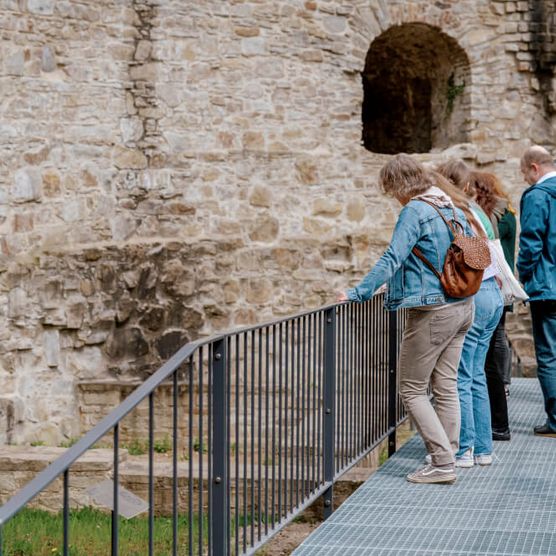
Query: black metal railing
[(263, 422)]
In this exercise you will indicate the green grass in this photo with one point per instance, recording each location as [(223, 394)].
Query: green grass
[(39, 533)]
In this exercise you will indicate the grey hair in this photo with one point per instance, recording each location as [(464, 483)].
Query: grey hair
[(536, 155), (403, 177)]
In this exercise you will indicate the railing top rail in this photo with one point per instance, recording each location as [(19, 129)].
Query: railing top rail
[(61, 464)]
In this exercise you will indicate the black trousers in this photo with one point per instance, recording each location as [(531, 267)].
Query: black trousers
[(497, 370), (543, 314)]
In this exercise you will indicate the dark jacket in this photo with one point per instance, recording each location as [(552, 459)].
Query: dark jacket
[(504, 222), (536, 261)]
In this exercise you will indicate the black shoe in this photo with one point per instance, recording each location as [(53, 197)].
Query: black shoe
[(544, 430), (501, 435)]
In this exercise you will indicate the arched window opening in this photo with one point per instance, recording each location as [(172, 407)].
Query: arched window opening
[(415, 91)]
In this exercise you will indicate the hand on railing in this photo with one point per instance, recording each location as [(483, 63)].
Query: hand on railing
[(341, 297)]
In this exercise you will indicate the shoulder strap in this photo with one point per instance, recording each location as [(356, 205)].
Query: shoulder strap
[(417, 252), (450, 226)]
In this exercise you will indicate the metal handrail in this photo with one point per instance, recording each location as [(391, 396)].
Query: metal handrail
[(384, 330), (61, 464)]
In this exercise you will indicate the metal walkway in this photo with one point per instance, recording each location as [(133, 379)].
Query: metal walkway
[(508, 508)]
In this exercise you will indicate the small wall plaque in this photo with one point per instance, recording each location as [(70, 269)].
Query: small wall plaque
[(129, 505)]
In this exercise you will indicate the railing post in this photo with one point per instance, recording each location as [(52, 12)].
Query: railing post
[(392, 379), (329, 418), (219, 450)]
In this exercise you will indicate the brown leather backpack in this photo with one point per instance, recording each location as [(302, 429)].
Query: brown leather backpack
[(466, 260)]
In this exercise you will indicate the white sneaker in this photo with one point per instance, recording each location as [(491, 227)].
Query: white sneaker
[(428, 459), (466, 459), (483, 459)]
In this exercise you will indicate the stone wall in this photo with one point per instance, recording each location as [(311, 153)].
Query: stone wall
[(172, 168)]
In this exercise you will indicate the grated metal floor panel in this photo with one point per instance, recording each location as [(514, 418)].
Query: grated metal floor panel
[(507, 508)]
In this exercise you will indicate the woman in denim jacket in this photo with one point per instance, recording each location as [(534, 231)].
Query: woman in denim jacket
[(436, 324)]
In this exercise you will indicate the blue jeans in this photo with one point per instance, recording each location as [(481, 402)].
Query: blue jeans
[(476, 431), (543, 314)]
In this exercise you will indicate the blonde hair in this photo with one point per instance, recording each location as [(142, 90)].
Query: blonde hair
[(403, 177)]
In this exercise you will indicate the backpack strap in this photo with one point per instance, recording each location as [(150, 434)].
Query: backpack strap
[(449, 224), (418, 253)]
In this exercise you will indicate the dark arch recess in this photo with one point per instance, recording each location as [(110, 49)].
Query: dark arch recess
[(416, 85)]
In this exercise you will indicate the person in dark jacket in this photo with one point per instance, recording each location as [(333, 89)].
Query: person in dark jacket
[(536, 265), (491, 197)]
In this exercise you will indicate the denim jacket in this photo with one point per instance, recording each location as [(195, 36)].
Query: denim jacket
[(410, 282), (536, 261)]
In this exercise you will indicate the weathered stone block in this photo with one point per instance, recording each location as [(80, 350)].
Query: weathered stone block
[(27, 185)]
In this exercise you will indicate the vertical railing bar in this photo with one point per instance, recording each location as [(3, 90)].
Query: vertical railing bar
[(116, 493), (294, 409), (286, 412), (218, 442), (366, 378), (200, 452), (305, 373), (345, 345), (314, 474), (359, 382), (237, 506), (66, 513), (354, 388), (380, 375), (320, 421), (175, 464), (280, 415), (376, 349), (385, 375), (329, 401), (210, 452), (259, 441), (228, 413), (267, 424), (151, 474), (273, 424), (341, 370), (299, 412), (351, 378), (252, 451), (191, 540), (392, 381), (245, 444)]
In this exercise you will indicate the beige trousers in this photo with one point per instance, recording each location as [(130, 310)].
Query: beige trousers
[(430, 354)]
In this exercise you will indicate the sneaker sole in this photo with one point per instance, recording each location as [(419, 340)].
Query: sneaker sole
[(433, 480), (549, 435), (465, 464), (483, 464)]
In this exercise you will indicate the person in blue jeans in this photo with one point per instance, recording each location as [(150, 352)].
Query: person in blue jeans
[(475, 440), (536, 264)]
